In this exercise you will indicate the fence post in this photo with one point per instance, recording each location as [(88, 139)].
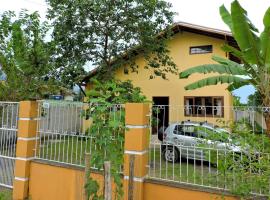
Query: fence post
[(107, 181), (136, 143), (86, 173), (27, 132)]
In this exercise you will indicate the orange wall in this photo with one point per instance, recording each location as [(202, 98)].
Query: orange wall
[(48, 182), (174, 87), (55, 183), (160, 192)]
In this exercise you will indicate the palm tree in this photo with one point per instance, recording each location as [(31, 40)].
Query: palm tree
[(254, 53)]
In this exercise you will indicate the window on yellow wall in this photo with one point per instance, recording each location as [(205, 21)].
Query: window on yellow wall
[(201, 49), (204, 106)]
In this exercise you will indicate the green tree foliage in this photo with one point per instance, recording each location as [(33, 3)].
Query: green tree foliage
[(246, 169), (237, 102), (2, 75), (109, 34), (254, 99), (253, 52), (24, 57), (107, 113)]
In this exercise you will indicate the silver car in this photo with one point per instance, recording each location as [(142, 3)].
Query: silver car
[(193, 140)]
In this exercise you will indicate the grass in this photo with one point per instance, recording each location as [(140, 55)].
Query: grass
[(203, 173), (188, 171), (66, 149), (5, 194)]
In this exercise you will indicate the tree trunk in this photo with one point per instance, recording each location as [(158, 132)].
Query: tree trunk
[(267, 122), (266, 106)]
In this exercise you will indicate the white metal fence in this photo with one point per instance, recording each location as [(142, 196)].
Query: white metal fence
[(8, 138), (65, 134), (209, 147), (183, 153), (209, 167)]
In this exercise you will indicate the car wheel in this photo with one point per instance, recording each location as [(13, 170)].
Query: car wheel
[(170, 154)]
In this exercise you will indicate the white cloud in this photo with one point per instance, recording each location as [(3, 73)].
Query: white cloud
[(201, 12), (31, 5), (206, 12)]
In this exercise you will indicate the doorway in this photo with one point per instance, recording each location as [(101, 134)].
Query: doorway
[(160, 112)]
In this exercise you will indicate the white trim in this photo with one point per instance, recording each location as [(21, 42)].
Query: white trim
[(9, 129), (9, 157), (10, 102), (28, 118), (28, 139), (136, 179), (4, 185), (136, 152), (137, 126), (25, 159), (21, 179)]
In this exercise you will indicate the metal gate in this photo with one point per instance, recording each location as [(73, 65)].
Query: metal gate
[(8, 137)]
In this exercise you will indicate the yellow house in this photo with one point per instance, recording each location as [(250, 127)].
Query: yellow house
[(191, 45)]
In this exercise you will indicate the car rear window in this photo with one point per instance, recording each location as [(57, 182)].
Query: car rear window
[(201, 132), (186, 130)]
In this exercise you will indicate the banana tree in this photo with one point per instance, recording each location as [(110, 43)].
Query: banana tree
[(254, 53)]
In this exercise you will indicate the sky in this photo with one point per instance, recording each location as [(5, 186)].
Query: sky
[(201, 12)]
